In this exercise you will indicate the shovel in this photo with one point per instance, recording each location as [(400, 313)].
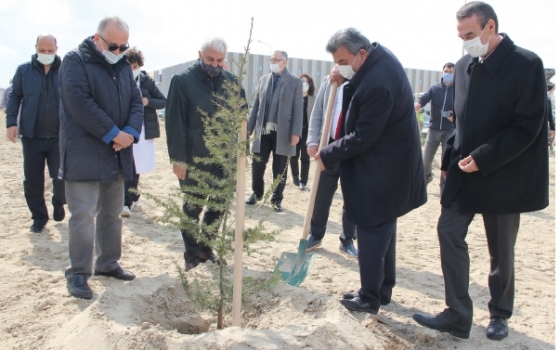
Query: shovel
[(293, 267)]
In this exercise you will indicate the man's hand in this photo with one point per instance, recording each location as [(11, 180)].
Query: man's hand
[(318, 159), (295, 140), (468, 165), (552, 133), (145, 101), (417, 106), (312, 150), (335, 76), (444, 174), (180, 172), (122, 140), (12, 133)]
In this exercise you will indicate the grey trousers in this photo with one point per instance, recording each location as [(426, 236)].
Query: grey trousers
[(501, 234), (433, 139), (95, 209)]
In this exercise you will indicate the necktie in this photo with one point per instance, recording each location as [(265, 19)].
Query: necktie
[(338, 127)]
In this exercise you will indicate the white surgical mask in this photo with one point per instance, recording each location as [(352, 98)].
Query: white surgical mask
[(45, 59), (305, 86), (136, 72), (275, 68), (111, 57), (346, 70), (475, 47), (447, 78)]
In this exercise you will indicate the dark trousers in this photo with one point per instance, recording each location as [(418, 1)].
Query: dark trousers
[(501, 234), (193, 247), (301, 154), (328, 184), (377, 262), (268, 145), (35, 153), (131, 197)]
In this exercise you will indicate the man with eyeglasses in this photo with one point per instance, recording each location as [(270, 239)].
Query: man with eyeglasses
[(101, 116), (34, 98), (277, 121)]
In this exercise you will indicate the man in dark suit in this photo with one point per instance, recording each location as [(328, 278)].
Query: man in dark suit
[(496, 165), (380, 159), (277, 120), (193, 94)]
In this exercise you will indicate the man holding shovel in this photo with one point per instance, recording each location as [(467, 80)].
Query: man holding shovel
[(379, 154)]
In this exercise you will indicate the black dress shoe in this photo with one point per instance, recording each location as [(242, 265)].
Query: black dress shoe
[(78, 287), (352, 295), (442, 324), (36, 227), (497, 328), (192, 263), (118, 273), (59, 213), (277, 206), (357, 304), (252, 200)]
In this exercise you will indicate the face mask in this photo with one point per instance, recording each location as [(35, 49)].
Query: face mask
[(111, 57), (447, 78), (210, 69), (275, 68), (305, 86), (475, 47), (346, 70), (45, 59), (136, 73)]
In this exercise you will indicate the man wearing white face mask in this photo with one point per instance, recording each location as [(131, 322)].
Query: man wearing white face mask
[(35, 92), (496, 165), (277, 120), (377, 148), (100, 118), (441, 125)]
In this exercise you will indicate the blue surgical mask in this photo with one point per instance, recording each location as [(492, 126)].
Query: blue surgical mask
[(447, 78)]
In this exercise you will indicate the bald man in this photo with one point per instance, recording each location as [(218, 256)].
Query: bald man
[(101, 116), (35, 92)]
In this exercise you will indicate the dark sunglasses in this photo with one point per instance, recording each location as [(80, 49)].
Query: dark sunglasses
[(113, 46)]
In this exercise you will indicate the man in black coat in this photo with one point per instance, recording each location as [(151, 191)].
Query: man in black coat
[(380, 159), (496, 165), (100, 117), (194, 93), (34, 98)]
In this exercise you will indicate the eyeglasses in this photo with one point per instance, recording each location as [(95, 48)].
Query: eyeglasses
[(275, 60), (114, 47)]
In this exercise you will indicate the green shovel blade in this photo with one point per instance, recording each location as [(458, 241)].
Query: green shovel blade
[(294, 267)]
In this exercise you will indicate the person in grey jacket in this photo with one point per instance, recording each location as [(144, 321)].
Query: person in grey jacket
[(34, 98), (328, 181), (441, 125), (101, 116), (277, 121)]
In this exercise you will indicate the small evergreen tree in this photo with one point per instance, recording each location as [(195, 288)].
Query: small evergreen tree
[(217, 193)]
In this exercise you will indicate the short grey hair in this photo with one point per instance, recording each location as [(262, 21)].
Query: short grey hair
[(482, 10), (41, 36), (284, 54), (350, 38), (115, 20), (216, 43)]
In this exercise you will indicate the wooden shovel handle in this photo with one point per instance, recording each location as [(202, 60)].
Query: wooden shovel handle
[(327, 121)]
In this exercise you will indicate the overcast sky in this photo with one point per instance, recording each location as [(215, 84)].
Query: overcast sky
[(422, 34)]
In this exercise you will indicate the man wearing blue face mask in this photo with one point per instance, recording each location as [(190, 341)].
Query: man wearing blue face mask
[(441, 125), (496, 165), (101, 116), (35, 98), (194, 94)]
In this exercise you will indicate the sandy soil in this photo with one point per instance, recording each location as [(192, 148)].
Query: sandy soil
[(153, 312)]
